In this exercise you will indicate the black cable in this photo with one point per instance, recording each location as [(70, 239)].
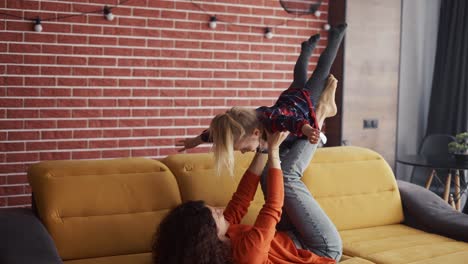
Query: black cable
[(64, 16)]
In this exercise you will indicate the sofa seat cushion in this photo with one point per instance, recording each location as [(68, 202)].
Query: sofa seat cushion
[(393, 244), (144, 258), (356, 260)]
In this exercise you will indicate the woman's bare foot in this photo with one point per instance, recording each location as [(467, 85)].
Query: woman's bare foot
[(326, 105)]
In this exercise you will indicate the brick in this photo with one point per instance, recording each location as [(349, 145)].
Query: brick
[(115, 153), (145, 73), (37, 124), (12, 168), (145, 132), (103, 144), (172, 112), (117, 133), (17, 179), (19, 200), (160, 122), (46, 145), (172, 131), (117, 31), (87, 92), (22, 70), (50, 155), (11, 124), (34, 37), (147, 53), (81, 144), (77, 113), (116, 112), (71, 82), (11, 102), (22, 113), (11, 190), (11, 58), (11, 146), (117, 92), (132, 122), (99, 40), (95, 133), (132, 62), (39, 81), (99, 82), (72, 103), (55, 92), (11, 81), (102, 123), (12, 36), (132, 42), (102, 61), (102, 102), (73, 39), (23, 135), (87, 29), (3, 202), (132, 83), (186, 122), (22, 157), (144, 152), (18, 26), (71, 123), (55, 113), (36, 103), (131, 102), (108, 72), (57, 49), (161, 142), (69, 60), (146, 32), (58, 134), (86, 154), (87, 71), (145, 112), (124, 143), (145, 92), (88, 50)]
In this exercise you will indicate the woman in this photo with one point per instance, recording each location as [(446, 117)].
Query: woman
[(196, 233), (301, 109)]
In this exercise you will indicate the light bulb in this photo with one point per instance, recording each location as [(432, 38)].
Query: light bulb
[(268, 33), (212, 23), (317, 13), (326, 27), (108, 13), (37, 25)]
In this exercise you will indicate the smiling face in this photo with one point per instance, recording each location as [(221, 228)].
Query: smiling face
[(248, 143), (221, 223)]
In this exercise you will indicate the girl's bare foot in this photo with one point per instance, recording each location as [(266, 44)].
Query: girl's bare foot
[(326, 105)]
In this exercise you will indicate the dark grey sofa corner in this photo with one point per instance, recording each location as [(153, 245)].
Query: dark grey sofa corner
[(425, 210), (24, 240)]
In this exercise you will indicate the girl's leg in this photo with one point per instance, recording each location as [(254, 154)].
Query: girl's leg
[(315, 230), (302, 63), (316, 82)]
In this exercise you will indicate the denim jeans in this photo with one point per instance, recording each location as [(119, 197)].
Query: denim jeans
[(303, 218)]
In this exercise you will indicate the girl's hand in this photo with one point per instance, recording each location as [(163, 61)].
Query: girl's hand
[(274, 140), (188, 143), (311, 133)]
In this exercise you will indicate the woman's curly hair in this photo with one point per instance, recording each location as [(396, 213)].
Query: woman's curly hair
[(188, 235)]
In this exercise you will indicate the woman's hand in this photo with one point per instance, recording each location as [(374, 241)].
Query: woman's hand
[(274, 140), (311, 133), (188, 143)]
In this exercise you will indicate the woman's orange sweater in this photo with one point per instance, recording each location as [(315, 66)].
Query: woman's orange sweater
[(261, 243)]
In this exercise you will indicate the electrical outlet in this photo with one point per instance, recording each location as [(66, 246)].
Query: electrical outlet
[(370, 123)]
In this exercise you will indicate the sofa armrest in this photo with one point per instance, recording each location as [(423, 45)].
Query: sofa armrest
[(24, 239), (425, 210)]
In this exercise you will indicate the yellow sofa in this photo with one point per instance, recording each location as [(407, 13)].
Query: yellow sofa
[(105, 211)]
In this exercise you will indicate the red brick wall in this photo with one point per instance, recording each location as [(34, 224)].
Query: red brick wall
[(88, 88)]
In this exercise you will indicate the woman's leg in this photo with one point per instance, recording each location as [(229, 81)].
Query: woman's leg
[(315, 230), (302, 63), (316, 82), (302, 215)]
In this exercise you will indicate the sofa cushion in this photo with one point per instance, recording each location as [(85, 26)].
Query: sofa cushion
[(355, 186), (393, 244), (144, 258), (196, 177), (99, 208)]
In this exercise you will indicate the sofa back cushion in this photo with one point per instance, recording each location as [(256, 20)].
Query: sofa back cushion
[(355, 186), (197, 180), (100, 208)]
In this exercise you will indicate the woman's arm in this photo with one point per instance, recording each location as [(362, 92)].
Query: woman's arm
[(241, 199), (189, 143)]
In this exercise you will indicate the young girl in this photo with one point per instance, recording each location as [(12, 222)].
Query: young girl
[(242, 129), (196, 233)]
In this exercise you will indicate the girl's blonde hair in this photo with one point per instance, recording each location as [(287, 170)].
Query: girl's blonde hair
[(225, 129)]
